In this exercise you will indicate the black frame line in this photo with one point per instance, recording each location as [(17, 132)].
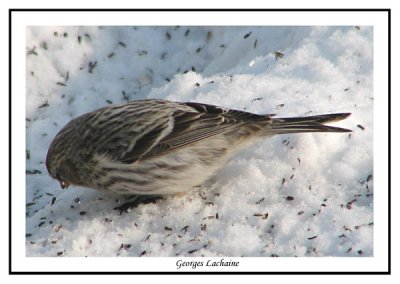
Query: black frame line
[(11, 272)]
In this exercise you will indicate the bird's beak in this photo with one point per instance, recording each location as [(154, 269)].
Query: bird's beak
[(64, 184)]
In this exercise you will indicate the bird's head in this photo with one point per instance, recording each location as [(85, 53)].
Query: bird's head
[(61, 166)]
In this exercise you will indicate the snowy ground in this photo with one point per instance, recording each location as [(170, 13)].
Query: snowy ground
[(290, 195)]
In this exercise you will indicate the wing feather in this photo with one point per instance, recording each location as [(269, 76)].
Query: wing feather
[(204, 122), (193, 123)]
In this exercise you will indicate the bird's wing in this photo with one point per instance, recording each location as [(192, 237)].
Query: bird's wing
[(187, 127)]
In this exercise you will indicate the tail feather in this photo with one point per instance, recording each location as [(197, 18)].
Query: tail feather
[(308, 124)]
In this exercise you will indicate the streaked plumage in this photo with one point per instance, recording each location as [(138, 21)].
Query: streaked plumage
[(158, 147)]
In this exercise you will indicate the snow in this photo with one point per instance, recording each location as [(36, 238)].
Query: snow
[(289, 195)]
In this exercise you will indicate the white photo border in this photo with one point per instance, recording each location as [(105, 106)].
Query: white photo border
[(379, 263)]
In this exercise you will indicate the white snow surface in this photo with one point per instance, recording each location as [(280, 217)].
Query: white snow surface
[(289, 195)]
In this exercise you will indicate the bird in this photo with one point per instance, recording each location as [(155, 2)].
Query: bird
[(158, 147)]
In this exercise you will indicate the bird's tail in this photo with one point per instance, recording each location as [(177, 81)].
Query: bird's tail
[(308, 124)]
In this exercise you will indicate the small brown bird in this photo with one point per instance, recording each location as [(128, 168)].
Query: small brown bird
[(158, 147)]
